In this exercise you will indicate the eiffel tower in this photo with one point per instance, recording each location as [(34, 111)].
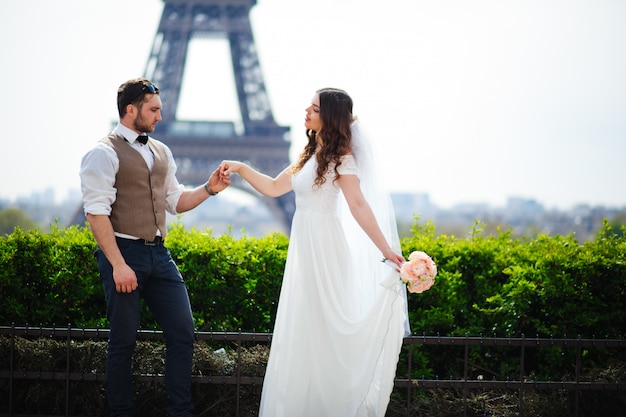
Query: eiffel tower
[(199, 146)]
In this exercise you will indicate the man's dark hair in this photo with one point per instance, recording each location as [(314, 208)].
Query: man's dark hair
[(133, 92)]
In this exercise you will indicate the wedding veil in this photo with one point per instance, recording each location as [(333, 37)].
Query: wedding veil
[(372, 273)]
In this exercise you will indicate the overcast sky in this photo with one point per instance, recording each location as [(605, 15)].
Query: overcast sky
[(470, 101)]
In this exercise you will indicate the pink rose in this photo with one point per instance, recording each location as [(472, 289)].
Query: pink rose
[(418, 272)]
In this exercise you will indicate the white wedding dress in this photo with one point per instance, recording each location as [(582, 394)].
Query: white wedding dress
[(340, 323)]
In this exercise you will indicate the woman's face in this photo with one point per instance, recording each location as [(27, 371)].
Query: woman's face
[(312, 119)]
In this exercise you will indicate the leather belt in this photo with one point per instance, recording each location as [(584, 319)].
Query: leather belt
[(158, 240)]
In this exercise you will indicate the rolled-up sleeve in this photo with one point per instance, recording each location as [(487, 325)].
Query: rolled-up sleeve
[(173, 189), (97, 178)]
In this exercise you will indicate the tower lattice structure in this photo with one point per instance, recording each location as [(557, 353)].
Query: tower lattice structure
[(199, 146)]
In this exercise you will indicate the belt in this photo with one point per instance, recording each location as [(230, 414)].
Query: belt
[(158, 240)]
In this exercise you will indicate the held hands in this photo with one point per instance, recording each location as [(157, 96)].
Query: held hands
[(266, 185), (218, 181), (220, 178), (229, 167)]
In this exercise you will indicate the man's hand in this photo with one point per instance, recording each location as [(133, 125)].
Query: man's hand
[(123, 276), (218, 181), (125, 279)]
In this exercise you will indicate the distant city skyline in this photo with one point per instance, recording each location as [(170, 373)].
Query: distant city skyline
[(470, 102), (239, 216), (244, 198)]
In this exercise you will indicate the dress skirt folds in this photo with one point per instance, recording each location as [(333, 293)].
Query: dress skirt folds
[(337, 334)]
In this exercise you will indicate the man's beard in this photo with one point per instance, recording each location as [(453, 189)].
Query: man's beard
[(141, 125)]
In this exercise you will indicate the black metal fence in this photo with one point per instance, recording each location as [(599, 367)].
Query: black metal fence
[(464, 383)]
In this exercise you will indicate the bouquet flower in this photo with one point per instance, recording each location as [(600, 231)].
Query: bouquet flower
[(418, 272)]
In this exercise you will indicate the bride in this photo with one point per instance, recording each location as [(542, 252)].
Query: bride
[(342, 313)]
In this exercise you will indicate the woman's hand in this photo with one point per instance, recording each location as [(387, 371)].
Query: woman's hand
[(266, 185), (230, 167), (394, 258)]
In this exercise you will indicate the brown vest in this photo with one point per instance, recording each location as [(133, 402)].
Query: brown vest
[(139, 207)]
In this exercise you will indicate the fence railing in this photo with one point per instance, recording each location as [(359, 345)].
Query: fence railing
[(464, 383)]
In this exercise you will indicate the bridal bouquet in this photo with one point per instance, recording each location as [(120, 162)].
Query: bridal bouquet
[(418, 272)]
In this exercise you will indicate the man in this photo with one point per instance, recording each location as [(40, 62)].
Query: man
[(128, 182)]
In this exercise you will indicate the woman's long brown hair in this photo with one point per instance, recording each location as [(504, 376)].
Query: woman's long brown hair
[(336, 116)]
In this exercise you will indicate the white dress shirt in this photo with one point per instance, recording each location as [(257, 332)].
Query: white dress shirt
[(100, 165)]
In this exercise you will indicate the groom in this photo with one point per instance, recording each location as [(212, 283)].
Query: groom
[(128, 183)]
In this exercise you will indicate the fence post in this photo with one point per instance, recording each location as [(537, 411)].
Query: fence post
[(11, 369), (520, 394), (578, 366), (465, 366), (409, 372), (238, 371), (67, 370)]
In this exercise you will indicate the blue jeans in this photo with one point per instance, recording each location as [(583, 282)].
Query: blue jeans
[(161, 285)]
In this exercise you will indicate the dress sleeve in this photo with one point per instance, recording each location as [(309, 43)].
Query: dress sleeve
[(348, 166)]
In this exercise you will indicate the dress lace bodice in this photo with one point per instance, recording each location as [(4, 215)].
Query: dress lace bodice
[(325, 197)]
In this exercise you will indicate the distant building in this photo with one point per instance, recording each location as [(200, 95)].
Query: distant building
[(522, 208), (407, 205)]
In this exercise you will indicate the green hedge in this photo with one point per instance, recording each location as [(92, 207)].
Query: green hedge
[(52, 279), (233, 283), (549, 286)]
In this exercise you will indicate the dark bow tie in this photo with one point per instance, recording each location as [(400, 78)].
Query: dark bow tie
[(143, 139)]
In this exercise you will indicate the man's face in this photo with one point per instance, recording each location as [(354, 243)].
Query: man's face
[(148, 114)]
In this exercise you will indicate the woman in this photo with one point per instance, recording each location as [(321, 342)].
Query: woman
[(342, 313)]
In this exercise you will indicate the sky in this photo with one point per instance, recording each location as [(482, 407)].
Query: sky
[(469, 101)]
